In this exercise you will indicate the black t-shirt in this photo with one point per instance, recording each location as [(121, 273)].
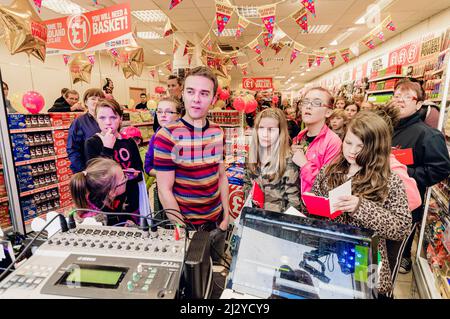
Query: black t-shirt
[(141, 106), (126, 153)]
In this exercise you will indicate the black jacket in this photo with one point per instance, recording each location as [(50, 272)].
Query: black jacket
[(82, 128), (60, 107), (141, 106), (431, 156)]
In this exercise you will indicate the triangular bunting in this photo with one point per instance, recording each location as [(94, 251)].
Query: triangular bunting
[(242, 24), (390, 26), (234, 60), (278, 34), (66, 58), (223, 14), (301, 18), (267, 37), (309, 4), (174, 3), (260, 60), (296, 51), (380, 35), (345, 54), (114, 52), (207, 42), (319, 59), (38, 4), (152, 72), (332, 58), (254, 45), (169, 66), (91, 58), (277, 47), (267, 14), (244, 68), (369, 42), (190, 54), (176, 44), (169, 28), (311, 59)]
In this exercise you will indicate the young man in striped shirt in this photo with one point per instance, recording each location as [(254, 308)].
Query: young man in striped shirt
[(189, 165)]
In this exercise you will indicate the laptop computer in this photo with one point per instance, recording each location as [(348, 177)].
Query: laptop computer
[(284, 256)]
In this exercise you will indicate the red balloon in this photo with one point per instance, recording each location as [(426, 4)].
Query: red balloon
[(251, 106), (239, 104), (275, 99), (33, 101), (219, 91), (159, 90), (224, 95)]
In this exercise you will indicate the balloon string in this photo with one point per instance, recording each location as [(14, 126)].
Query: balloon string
[(31, 73)]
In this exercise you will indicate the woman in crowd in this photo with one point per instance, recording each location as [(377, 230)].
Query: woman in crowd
[(338, 122), (340, 103), (270, 162), (378, 199), (351, 110)]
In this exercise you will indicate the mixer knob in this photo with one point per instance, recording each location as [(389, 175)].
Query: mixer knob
[(164, 250), (110, 246), (119, 246), (75, 244), (146, 248), (156, 249), (101, 246), (50, 241), (128, 247), (83, 244), (92, 244), (58, 242), (66, 243)]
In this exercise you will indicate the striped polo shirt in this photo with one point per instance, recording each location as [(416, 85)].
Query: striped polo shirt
[(194, 154)]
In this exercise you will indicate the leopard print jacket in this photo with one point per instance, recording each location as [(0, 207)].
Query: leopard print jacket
[(390, 219)]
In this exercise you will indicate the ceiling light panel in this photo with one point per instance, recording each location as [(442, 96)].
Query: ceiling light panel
[(226, 32), (319, 28), (150, 15), (63, 6), (149, 35), (248, 12)]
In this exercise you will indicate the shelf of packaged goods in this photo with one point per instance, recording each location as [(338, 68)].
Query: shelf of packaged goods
[(437, 99), (228, 125), (61, 210), (442, 201), (39, 129), (41, 159), (380, 91), (3, 199), (43, 189), (392, 76), (428, 278)]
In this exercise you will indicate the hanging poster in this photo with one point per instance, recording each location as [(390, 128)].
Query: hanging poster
[(169, 29), (405, 55)]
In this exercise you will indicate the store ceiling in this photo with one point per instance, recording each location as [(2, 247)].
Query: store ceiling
[(197, 16)]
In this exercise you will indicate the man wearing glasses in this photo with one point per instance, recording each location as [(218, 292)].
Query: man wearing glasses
[(429, 163)]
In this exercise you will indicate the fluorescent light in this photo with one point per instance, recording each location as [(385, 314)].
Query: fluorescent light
[(302, 74), (149, 35), (225, 32), (160, 52), (344, 35), (319, 28), (372, 10), (334, 42), (150, 15), (248, 12), (280, 77), (63, 6), (307, 70)]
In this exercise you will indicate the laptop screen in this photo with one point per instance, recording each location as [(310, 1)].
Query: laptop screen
[(283, 256)]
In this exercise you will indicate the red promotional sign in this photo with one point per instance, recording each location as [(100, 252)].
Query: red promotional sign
[(96, 30), (405, 55), (257, 84), (235, 200)]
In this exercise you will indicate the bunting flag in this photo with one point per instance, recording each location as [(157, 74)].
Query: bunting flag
[(207, 42), (278, 34), (311, 59), (267, 14), (153, 72), (296, 51), (174, 3), (319, 59), (95, 2), (254, 45), (277, 47), (176, 44), (267, 37), (309, 4), (169, 28), (66, 58), (38, 4), (369, 42), (380, 35), (244, 68), (169, 66), (210, 61), (223, 14), (390, 25), (188, 45), (345, 54), (301, 18), (242, 24), (190, 54), (260, 60), (332, 58), (234, 59), (114, 52), (91, 58)]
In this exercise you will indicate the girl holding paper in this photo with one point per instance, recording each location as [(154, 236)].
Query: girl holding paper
[(378, 199), (270, 163)]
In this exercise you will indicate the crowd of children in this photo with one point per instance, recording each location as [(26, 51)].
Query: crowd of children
[(313, 146)]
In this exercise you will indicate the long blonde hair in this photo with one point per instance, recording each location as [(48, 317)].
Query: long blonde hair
[(372, 179), (280, 151)]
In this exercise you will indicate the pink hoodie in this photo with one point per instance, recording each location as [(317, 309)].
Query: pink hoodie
[(322, 150), (412, 192)]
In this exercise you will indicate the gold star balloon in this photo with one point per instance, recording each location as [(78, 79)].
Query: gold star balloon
[(23, 29), (131, 60), (80, 69)]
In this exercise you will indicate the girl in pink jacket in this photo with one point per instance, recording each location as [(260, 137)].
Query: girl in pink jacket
[(316, 145)]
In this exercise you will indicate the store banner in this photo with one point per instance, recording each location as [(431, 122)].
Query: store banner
[(223, 14), (301, 18), (174, 3), (309, 4), (296, 51), (169, 28), (266, 38), (176, 45), (319, 59), (234, 59), (235, 200), (405, 55), (260, 60), (257, 84), (254, 45), (91, 31), (311, 59), (332, 58), (242, 24), (431, 45), (66, 58), (345, 54), (267, 14)]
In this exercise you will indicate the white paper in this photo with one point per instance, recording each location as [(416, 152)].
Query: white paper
[(2, 252), (343, 190), (1, 232), (294, 212)]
